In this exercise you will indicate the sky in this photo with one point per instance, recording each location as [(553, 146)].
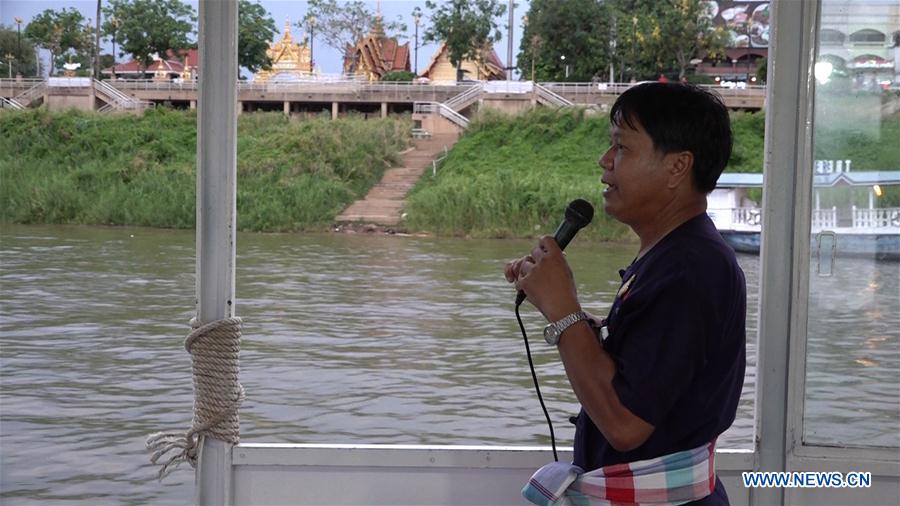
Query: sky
[(328, 60)]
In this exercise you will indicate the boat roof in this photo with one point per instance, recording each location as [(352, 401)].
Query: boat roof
[(855, 178)]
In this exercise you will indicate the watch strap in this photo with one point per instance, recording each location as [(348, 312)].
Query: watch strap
[(562, 324), (570, 320)]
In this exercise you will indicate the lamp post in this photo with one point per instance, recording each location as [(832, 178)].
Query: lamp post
[(312, 38), (115, 23), (18, 43), (417, 20), (9, 59), (566, 65)]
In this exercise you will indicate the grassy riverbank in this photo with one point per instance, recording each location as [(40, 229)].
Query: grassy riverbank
[(113, 169), (509, 176), (513, 175)]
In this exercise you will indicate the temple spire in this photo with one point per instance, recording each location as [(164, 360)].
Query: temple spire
[(378, 23), (287, 30)]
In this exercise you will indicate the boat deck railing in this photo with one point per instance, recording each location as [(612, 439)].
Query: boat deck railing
[(877, 218), (886, 219)]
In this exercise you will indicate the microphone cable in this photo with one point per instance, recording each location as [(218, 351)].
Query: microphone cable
[(537, 387)]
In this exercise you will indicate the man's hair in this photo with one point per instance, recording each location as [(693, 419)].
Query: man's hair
[(680, 117)]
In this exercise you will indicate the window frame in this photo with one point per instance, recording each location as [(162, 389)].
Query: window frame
[(784, 272)]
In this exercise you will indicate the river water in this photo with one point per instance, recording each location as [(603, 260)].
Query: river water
[(347, 339)]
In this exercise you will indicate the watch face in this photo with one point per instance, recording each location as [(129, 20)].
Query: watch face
[(551, 334)]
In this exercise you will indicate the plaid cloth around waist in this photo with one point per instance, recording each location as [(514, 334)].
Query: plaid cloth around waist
[(672, 479)]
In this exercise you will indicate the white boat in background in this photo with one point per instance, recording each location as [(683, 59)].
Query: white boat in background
[(855, 231)]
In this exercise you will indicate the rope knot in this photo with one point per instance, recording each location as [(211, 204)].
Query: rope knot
[(215, 366)]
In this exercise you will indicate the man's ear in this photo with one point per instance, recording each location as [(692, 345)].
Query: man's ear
[(679, 166)]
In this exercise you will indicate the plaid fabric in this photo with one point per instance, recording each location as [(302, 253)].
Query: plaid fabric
[(672, 479)]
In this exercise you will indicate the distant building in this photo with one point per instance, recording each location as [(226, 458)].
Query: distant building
[(747, 25), (862, 40), (859, 38), (487, 68), (182, 64), (290, 60), (377, 54)]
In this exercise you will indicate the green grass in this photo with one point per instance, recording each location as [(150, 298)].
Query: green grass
[(512, 176), (509, 176), (113, 169)]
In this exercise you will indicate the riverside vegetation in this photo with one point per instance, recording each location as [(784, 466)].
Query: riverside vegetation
[(120, 169), (509, 176)]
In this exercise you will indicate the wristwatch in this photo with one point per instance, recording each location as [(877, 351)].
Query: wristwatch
[(553, 331)]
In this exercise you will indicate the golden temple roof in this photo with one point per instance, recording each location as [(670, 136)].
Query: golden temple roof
[(289, 59)]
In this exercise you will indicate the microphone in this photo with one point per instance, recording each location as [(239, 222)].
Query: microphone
[(579, 214)]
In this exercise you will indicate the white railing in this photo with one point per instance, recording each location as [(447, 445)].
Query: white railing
[(437, 162), (581, 89), (6, 103), (31, 94), (546, 96), (747, 216), (886, 217), (112, 92), (437, 107), (117, 99), (466, 98), (824, 219), (152, 84), (11, 87), (401, 90)]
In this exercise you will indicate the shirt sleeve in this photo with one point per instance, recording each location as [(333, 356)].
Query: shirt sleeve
[(662, 347)]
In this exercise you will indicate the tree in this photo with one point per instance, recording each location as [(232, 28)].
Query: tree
[(343, 25), (398, 75), (665, 36), (466, 26), (59, 32), (148, 27), (576, 29), (22, 49), (255, 29)]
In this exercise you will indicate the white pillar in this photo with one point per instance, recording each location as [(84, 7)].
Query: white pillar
[(782, 267), (287, 108), (216, 177), (334, 110), (817, 200), (384, 109), (193, 104)]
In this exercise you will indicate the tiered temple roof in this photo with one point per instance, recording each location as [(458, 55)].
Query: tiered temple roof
[(487, 68), (290, 60), (377, 54), (182, 63)]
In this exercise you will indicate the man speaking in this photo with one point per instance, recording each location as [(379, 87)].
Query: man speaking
[(660, 378)]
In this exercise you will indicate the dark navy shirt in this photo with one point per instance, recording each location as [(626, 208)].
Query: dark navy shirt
[(676, 333)]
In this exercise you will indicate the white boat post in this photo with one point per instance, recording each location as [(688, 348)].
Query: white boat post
[(216, 207)]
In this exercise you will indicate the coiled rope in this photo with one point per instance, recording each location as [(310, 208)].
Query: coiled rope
[(215, 365)]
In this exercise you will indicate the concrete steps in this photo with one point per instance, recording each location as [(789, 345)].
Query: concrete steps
[(384, 203)]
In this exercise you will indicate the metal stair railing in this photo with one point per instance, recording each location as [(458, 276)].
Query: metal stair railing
[(466, 98), (139, 105), (8, 103), (437, 107), (114, 96), (28, 96), (548, 97), (118, 100)]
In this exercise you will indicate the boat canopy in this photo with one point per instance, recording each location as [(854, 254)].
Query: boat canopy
[(856, 178)]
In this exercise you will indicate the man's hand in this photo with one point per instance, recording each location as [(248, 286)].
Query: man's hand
[(546, 279)]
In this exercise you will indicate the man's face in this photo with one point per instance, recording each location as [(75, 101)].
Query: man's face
[(635, 175)]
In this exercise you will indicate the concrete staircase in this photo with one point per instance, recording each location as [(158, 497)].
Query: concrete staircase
[(384, 202)]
